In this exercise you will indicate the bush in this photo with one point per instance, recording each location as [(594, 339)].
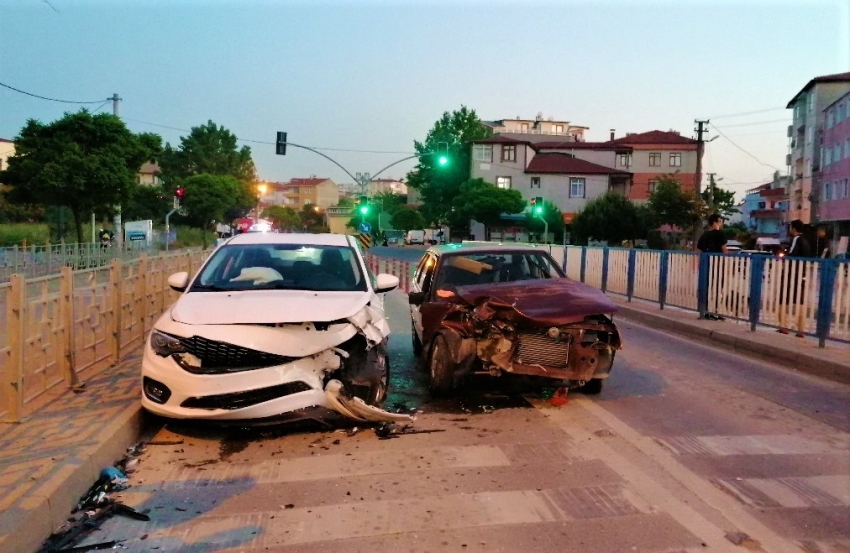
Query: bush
[(655, 240), (16, 234)]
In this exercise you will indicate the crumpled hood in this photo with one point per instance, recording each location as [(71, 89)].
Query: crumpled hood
[(556, 301), (266, 306)]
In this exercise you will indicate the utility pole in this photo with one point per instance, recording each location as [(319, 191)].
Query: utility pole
[(119, 232), (700, 130), (711, 191)]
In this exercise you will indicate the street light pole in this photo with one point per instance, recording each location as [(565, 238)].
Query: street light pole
[(261, 188)]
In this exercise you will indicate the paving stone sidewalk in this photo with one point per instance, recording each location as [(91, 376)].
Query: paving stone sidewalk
[(50, 459)]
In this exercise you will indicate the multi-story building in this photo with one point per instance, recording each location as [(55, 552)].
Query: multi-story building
[(764, 209), (805, 135), (148, 175), (7, 150), (552, 171), (834, 161), (382, 186), (656, 154), (537, 129), (299, 192)]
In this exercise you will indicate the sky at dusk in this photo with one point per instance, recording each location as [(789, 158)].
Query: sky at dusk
[(375, 76)]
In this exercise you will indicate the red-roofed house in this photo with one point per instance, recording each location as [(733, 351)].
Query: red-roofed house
[(655, 154)]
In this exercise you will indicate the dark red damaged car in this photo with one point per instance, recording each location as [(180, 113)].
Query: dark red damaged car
[(509, 310)]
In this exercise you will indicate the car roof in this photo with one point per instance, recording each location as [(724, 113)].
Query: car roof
[(482, 247), (290, 238)]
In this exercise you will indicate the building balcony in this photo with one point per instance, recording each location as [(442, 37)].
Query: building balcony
[(772, 193), (767, 213), (506, 130)]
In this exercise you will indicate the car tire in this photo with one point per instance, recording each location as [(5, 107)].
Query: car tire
[(367, 374), (592, 387), (417, 343), (381, 379), (440, 367)]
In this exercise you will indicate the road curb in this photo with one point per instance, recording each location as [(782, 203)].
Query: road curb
[(47, 507), (796, 360)]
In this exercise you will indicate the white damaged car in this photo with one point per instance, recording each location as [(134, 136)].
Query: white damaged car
[(273, 327)]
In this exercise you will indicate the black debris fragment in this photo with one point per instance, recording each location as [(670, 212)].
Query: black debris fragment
[(390, 430)]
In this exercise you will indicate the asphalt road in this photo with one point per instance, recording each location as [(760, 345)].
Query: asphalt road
[(688, 448)]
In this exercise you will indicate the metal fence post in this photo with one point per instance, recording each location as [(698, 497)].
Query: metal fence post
[(663, 270), (66, 316), (828, 271), (583, 263), (16, 316), (630, 284), (117, 289), (604, 269), (756, 286), (702, 285)]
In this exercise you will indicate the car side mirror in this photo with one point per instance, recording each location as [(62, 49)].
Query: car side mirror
[(385, 283), (179, 281), (416, 298)]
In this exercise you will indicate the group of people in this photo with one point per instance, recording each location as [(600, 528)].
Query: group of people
[(805, 243)]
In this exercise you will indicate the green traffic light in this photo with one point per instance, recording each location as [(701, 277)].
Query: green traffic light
[(538, 210), (364, 209), (443, 160)]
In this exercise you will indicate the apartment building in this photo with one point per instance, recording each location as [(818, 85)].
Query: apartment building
[(834, 175), (805, 138), (764, 209), (655, 154), (299, 192), (537, 129)]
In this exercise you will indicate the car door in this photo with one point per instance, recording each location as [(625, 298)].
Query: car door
[(422, 279)]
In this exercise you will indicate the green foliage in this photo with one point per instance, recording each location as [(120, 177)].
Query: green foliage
[(721, 202), (437, 184), (406, 219), (612, 218), (83, 161), (669, 205), (480, 200), (284, 218), (208, 198), (313, 219), (551, 214), (655, 240), (148, 202), (18, 234), (19, 213)]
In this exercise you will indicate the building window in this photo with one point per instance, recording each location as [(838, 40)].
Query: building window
[(523, 127), (624, 160), (482, 152), (676, 159), (809, 135), (826, 192), (830, 119), (508, 153), (655, 159), (652, 185), (796, 111), (535, 182), (847, 148), (559, 129), (503, 182), (761, 205), (837, 152), (576, 187), (841, 113), (827, 156), (811, 101)]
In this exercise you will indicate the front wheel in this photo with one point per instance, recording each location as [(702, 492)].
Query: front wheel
[(592, 387), (441, 368)]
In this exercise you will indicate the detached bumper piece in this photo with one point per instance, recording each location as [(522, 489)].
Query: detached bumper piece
[(355, 408), (239, 400)]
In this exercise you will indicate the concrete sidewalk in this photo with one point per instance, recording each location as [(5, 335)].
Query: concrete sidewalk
[(48, 461), (799, 354)]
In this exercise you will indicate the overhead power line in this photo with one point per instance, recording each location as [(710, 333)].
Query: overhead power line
[(46, 98), (743, 113), (273, 143), (745, 151), (755, 123)]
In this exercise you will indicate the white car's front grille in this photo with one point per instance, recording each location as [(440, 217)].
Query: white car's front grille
[(220, 357)]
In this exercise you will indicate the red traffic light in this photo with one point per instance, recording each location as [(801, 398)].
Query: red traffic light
[(179, 192)]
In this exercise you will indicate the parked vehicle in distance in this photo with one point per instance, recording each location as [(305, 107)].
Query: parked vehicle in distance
[(509, 310), (733, 246), (414, 237), (265, 328)]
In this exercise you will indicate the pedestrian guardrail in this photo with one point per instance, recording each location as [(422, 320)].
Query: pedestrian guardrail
[(34, 261), (59, 329)]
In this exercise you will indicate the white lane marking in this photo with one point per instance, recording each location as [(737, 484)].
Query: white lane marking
[(319, 467), (656, 493), (765, 444)]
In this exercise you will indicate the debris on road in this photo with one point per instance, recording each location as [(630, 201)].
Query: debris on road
[(559, 398), (89, 521), (355, 408), (388, 431)]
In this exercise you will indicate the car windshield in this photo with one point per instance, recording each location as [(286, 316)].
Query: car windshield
[(489, 268), (281, 267)]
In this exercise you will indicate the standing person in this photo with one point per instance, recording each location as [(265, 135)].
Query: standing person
[(821, 243), (793, 281), (714, 241)]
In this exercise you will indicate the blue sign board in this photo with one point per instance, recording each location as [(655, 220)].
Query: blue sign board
[(365, 228)]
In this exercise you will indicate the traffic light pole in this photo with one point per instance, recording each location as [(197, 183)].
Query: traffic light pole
[(545, 228), (168, 227)]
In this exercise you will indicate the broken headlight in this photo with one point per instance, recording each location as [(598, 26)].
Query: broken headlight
[(164, 344)]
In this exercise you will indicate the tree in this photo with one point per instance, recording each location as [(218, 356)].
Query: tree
[(213, 150), (147, 202), (283, 217), (312, 218), (551, 214), (438, 184), (669, 205), (84, 161), (480, 200), (208, 198), (610, 217), (721, 202), (406, 219)]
